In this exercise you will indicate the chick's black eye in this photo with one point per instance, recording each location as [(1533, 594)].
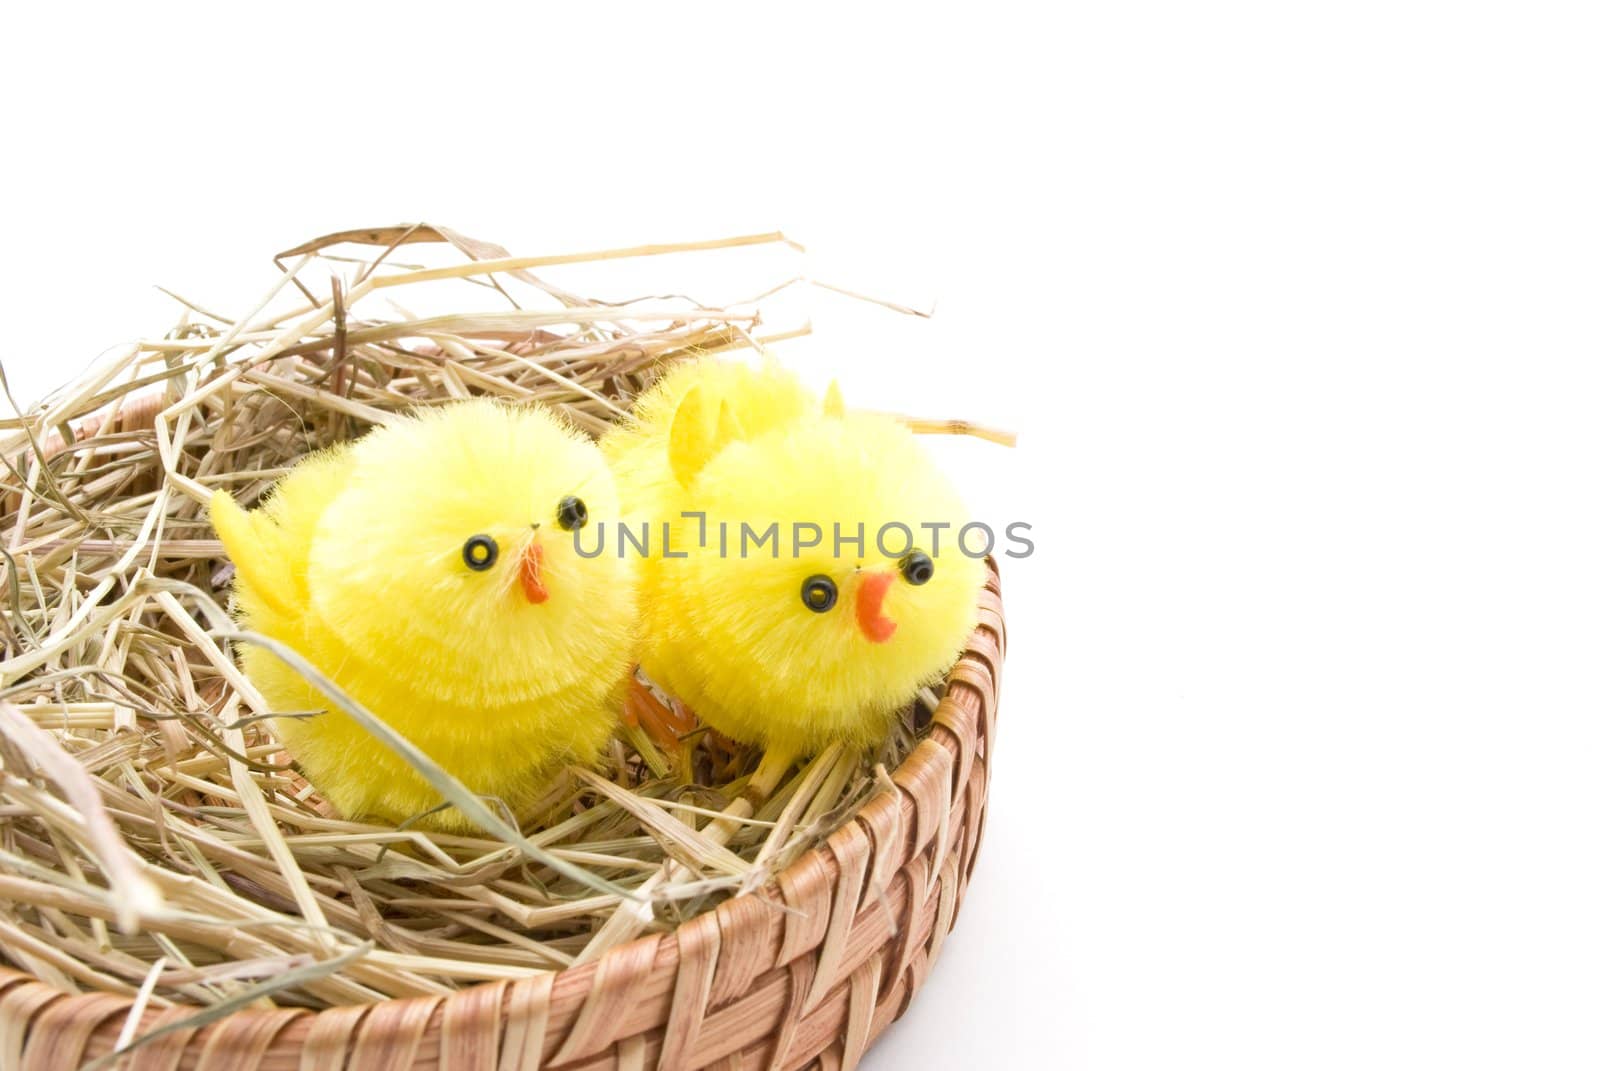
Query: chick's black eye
[(916, 567), (480, 552), (572, 513), (819, 593)]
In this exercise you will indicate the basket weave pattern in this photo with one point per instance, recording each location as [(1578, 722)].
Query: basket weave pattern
[(806, 973)]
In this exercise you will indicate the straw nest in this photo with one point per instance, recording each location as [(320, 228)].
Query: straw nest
[(155, 841)]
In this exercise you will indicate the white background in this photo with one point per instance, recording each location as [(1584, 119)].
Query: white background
[(1295, 309)]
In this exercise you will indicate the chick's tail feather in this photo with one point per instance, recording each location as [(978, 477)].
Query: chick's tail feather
[(269, 544), (253, 543)]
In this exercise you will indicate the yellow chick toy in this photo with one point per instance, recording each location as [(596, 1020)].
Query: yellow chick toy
[(816, 583), (824, 584), (430, 570)]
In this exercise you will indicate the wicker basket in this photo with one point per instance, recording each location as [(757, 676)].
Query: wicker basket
[(805, 971), (751, 984)]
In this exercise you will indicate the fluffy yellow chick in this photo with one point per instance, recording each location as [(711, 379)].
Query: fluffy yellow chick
[(793, 641), (776, 642), (430, 570)]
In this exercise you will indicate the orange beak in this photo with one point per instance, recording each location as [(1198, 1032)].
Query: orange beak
[(871, 589), (528, 573)]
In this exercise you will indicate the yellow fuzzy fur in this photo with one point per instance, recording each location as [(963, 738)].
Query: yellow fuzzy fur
[(355, 560), (729, 635)]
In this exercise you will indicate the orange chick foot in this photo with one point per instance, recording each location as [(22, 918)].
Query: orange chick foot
[(665, 723)]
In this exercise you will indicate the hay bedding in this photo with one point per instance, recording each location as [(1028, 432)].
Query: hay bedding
[(154, 838)]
